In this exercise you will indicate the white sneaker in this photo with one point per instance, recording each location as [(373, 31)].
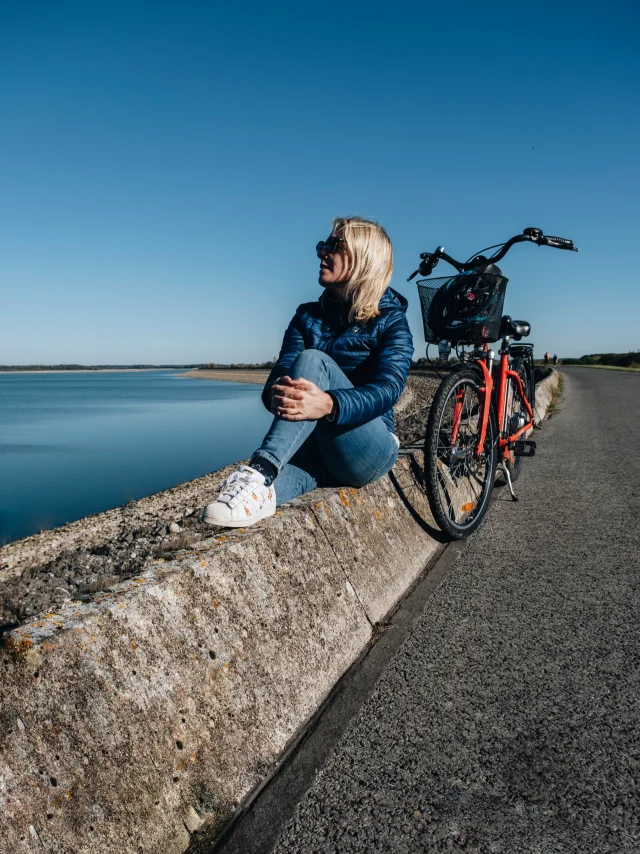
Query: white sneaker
[(244, 500)]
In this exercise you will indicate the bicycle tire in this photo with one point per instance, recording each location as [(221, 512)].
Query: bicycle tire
[(458, 484), (514, 406)]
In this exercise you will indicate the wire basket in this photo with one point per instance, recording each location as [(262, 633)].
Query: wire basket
[(465, 308)]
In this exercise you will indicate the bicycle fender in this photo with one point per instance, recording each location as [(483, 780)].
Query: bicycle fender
[(474, 367)]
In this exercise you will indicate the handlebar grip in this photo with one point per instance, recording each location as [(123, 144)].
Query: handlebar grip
[(559, 242)]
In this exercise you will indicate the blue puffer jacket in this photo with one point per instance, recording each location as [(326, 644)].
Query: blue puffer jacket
[(375, 356)]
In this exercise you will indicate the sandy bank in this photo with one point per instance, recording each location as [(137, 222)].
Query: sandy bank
[(257, 376)]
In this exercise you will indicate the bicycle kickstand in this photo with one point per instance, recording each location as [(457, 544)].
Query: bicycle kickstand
[(504, 468)]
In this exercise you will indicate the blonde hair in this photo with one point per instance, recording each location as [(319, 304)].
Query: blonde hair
[(370, 264)]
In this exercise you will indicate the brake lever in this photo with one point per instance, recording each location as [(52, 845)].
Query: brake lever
[(429, 261)]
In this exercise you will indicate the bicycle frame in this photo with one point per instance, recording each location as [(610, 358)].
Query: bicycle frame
[(487, 389)]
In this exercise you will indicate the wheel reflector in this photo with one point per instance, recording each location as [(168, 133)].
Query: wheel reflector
[(466, 507)]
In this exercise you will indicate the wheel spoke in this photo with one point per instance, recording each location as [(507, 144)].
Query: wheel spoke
[(460, 483)]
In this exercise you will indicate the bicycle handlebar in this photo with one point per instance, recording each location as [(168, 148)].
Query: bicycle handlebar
[(532, 235), (559, 243)]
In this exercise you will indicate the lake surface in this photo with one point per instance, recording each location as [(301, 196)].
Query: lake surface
[(73, 444)]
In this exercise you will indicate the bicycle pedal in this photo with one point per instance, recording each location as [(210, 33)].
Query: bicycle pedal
[(524, 449)]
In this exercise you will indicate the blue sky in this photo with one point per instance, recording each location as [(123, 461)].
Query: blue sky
[(167, 168)]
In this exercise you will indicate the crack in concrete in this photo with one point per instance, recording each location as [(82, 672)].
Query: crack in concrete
[(343, 569)]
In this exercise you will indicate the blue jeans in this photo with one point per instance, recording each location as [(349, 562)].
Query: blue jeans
[(309, 454)]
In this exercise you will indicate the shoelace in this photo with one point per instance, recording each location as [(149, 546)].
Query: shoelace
[(235, 485)]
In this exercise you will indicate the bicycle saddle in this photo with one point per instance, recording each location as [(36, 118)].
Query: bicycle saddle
[(515, 328)]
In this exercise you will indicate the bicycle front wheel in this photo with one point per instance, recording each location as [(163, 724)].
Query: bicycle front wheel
[(459, 480)]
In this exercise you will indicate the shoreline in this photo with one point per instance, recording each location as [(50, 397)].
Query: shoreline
[(88, 556)]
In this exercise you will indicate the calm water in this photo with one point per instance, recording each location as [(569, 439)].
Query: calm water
[(76, 444)]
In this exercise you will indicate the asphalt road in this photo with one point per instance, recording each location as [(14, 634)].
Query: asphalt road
[(507, 720)]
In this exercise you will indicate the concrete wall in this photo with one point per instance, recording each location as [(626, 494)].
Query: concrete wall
[(128, 722)]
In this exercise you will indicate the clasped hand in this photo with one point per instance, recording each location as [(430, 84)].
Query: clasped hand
[(299, 400)]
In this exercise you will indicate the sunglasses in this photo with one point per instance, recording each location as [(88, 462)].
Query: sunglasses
[(331, 244)]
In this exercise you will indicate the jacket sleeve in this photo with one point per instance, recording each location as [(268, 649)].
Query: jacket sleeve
[(389, 375), (292, 345)]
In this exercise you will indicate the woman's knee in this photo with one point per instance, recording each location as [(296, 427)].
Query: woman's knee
[(310, 357), (312, 365)]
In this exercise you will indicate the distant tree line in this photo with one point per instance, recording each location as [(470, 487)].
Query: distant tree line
[(89, 367), (423, 364), (204, 366), (616, 360), (620, 360)]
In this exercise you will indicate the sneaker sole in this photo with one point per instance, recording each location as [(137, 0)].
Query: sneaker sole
[(238, 523)]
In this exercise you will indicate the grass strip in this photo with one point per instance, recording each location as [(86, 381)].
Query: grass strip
[(603, 367)]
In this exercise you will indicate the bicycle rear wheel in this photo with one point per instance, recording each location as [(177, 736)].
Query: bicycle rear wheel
[(458, 481), (515, 413)]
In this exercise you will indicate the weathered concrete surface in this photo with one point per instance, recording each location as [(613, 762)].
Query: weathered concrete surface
[(101, 550), (128, 722), (381, 547), (545, 391), (163, 703)]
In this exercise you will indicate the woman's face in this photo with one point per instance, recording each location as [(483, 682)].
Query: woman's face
[(334, 266)]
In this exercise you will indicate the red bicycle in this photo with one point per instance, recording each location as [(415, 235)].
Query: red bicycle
[(482, 412)]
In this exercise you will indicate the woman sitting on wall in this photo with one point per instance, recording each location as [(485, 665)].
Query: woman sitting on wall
[(342, 367)]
